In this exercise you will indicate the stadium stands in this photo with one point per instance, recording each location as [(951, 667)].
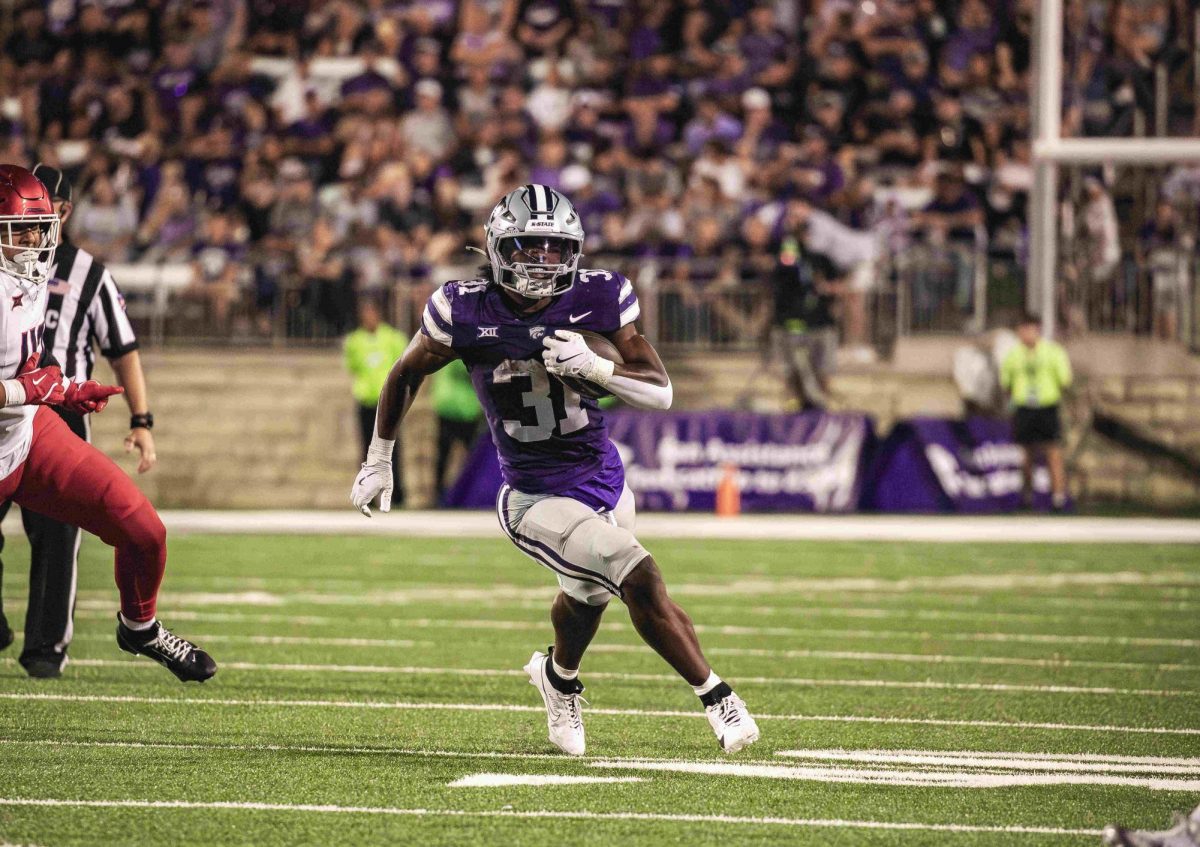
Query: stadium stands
[(304, 154)]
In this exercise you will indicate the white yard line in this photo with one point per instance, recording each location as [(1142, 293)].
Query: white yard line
[(756, 586), (193, 702), (102, 600), (282, 640), (818, 655), (927, 778), (724, 629), (910, 658), (543, 814), (460, 524), (807, 682), (106, 612), (1006, 761), (817, 632), (1163, 765), (337, 750), (500, 780)]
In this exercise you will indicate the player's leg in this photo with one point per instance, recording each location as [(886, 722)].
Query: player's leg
[(662, 624), (68, 480), (597, 556), (665, 626), (6, 633), (575, 626), (53, 566), (539, 526)]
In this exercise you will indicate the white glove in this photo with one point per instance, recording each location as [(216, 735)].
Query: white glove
[(374, 480), (565, 353)]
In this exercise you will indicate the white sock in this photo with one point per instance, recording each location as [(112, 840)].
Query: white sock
[(708, 685), (561, 672), (137, 626)]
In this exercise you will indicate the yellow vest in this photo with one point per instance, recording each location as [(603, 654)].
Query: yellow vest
[(1036, 378), (369, 356)]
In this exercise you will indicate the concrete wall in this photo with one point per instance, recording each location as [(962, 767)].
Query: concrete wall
[(1168, 409)]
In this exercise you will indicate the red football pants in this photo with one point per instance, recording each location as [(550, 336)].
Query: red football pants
[(69, 480)]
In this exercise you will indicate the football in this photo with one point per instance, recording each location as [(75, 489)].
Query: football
[(601, 346)]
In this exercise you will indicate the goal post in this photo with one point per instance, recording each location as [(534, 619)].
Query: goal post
[(1050, 150)]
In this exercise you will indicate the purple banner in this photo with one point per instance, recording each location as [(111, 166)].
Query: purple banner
[(810, 462), (939, 465)]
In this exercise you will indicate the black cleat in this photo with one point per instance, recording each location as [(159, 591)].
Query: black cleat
[(178, 655), (44, 668)]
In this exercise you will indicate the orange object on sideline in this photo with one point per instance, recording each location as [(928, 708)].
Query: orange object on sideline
[(729, 496)]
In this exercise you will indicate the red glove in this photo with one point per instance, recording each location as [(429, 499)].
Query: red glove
[(86, 397), (43, 386)]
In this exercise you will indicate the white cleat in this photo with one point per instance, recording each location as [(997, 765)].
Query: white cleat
[(732, 723), (563, 717)]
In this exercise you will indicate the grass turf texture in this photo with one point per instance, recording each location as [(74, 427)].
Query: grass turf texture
[(275, 610)]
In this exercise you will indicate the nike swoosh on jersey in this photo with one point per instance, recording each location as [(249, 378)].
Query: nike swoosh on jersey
[(578, 318)]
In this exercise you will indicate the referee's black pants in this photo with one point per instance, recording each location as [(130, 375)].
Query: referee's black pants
[(53, 569), (366, 428)]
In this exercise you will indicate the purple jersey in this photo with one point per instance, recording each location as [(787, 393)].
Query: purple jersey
[(550, 440)]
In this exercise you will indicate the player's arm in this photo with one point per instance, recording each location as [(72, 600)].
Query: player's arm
[(641, 380), (129, 373), (422, 357)]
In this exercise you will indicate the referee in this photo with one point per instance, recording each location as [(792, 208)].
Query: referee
[(1035, 373), (84, 307)]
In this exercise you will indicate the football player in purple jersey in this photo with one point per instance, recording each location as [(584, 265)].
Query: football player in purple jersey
[(564, 501)]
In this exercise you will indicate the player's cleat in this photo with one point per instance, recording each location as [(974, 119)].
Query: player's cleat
[(563, 717), (1185, 833), (41, 667), (6, 633), (729, 719), (178, 655)]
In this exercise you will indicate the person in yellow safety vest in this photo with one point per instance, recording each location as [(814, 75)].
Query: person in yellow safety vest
[(1034, 375), (458, 416), (369, 352)]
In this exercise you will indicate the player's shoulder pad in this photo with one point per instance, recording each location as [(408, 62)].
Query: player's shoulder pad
[(612, 294), (451, 305), (465, 287)]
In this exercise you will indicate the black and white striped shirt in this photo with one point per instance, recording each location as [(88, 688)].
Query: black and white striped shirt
[(84, 307)]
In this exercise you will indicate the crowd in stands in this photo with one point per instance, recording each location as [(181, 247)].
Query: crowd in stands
[(303, 154)]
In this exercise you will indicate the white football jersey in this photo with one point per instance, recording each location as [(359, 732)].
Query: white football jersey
[(22, 323)]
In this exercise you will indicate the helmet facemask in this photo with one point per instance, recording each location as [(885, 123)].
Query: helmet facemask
[(534, 242), (536, 266), (21, 254)]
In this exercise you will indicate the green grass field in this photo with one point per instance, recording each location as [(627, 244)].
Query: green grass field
[(361, 676)]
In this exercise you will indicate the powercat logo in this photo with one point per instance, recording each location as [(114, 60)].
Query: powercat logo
[(536, 332)]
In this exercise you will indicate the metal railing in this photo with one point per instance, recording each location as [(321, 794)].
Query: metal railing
[(936, 286), (928, 287)]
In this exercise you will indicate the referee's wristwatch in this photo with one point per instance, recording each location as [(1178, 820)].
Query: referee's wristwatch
[(142, 421)]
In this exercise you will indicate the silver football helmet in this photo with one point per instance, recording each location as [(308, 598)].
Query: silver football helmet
[(534, 242)]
